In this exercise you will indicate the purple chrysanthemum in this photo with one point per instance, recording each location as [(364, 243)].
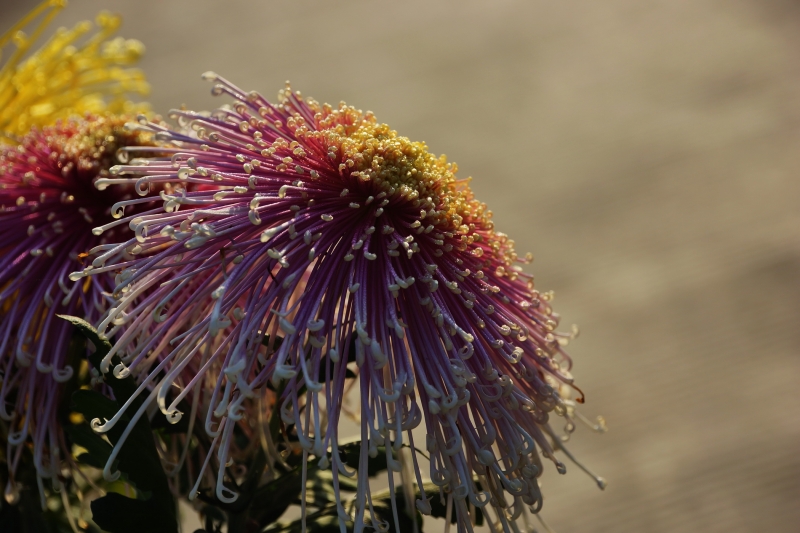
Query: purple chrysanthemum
[(48, 207), (323, 227)]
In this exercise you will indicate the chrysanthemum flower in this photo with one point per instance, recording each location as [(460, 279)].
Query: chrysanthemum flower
[(66, 76), (48, 207), (47, 200), (325, 228)]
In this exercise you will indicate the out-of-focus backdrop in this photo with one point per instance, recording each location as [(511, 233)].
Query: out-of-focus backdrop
[(647, 153)]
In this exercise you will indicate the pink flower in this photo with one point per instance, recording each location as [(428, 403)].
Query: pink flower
[(48, 207), (328, 229)]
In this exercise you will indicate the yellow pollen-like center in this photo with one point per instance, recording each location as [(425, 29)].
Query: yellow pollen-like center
[(71, 74), (373, 152), (90, 144)]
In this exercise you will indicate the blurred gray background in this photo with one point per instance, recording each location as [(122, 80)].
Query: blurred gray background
[(645, 152)]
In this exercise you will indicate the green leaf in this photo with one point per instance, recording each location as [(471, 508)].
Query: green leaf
[(102, 346), (76, 355), (320, 492), (345, 483), (383, 512), (327, 520), (141, 465), (382, 505), (246, 489), (118, 514), (91, 404), (137, 457), (350, 452), (271, 500), (323, 521), (97, 449), (438, 507)]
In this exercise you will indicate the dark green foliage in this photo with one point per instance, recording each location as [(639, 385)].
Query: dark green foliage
[(119, 514), (271, 500), (258, 506), (98, 449), (138, 459)]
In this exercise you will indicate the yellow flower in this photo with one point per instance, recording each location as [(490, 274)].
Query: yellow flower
[(65, 77)]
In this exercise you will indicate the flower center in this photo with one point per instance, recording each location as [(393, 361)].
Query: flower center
[(84, 150), (372, 152), (49, 181)]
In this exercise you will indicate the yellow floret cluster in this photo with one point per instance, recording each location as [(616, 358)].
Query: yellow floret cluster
[(373, 152), (65, 77)]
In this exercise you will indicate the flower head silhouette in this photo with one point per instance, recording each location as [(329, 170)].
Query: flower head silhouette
[(313, 235), (48, 206)]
